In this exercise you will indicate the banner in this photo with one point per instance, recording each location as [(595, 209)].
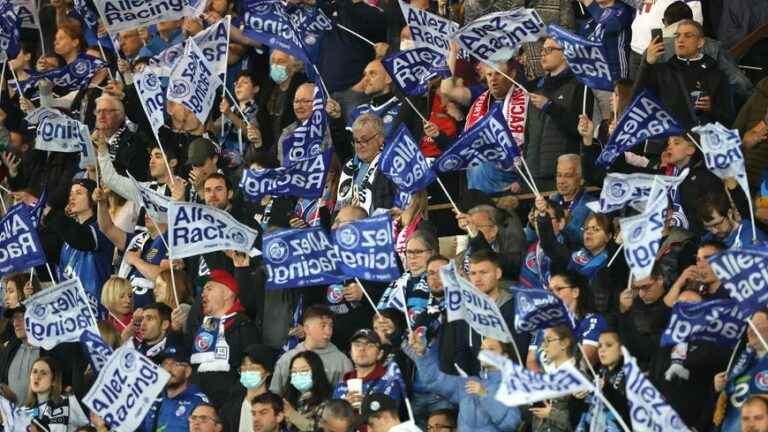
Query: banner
[(488, 140), (122, 15), (465, 302), (645, 118), (620, 190), (310, 23), (642, 236), (20, 247), (197, 229), (152, 98), (520, 386), (213, 43), (268, 23), (367, 250), (647, 408), (722, 153), (587, 59), (537, 309), (497, 37), (61, 134), (39, 114), (412, 69), (156, 204), (304, 178), (307, 139), (743, 273), (95, 349), (73, 76), (10, 32), (57, 315), (193, 82), (300, 257), (427, 29), (716, 321), (403, 163), (126, 389)]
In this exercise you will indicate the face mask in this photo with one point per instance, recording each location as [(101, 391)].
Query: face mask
[(407, 44), (250, 379), (278, 73), (302, 381)]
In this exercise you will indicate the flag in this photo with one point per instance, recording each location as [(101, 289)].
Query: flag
[(645, 118), (88, 16), (39, 114), (197, 229), (268, 23), (642, 236), (464, 301), (296, 320), (95, 349), (10, 32), (488, 140), (743, 274), (367, 250), (304, 178), (193, 82), (717, 321), (427, 29), (647, 408), (20, 247), (15, 419), (152, 98), (307, 139), (403, 163), (300, 257), (122, 15), (620, 190), (154, 203), (27, 12), (519, 386), (73, 76), (213, 42), (586, 59), (412, 69), (126, 389), (496, 37), (61, 134), (722, 153), (537, 309), (57, 315)]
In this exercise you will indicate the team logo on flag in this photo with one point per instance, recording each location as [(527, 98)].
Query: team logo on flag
[(278, 251), (348, 237)]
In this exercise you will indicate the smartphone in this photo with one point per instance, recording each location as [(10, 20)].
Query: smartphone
[(539, 404), (656, 33)]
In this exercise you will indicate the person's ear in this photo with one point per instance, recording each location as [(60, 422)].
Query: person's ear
[(230, 194), (498, 273)]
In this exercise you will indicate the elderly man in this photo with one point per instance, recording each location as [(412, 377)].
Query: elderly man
[(130, 44), (302, 108), (362, 183), (492, 229), (128, 150), (377, 85)]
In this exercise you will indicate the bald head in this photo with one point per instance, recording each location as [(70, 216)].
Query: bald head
[(376, 80), (302, 101), (349, 214)]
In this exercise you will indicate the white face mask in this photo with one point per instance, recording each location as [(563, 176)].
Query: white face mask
[(406, 44)]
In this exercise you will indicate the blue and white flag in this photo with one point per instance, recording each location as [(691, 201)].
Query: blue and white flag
[(497, 37), (304, 178), (427, 29), (152, 98), (743, 273), (213, 42), (310, 24), (126, 389), (268, 23), (722, 153), (122, 15), (39, 114), (465, 302), (88, 16), (520, 386), (412, 69), (537, 309), (488, 140), (300, 257), (97, 351), (73, 76), (587, 59), (59, 314), (307, 139), (645, 118), (193, 82), (197, 229), (20, 247), (10, 31), (642, 237), (27, 12), (648, 410), (717, 321), (156, 204), (402, 163), (620, 190), (15, 419), (61, 134), (367, 250)]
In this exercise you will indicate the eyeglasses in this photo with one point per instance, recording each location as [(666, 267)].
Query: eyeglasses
[(365, 141), (413, 252), (548, 341), (548, 50)]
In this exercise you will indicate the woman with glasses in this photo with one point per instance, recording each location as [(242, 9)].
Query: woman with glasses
[(45, 401), (306, 390)]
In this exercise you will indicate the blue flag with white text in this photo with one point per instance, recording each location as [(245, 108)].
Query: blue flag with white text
[(268, 23), (300, 257), (412, 69), (307, 139), (645, 118), (20, 247), (10, 31), (743, 274), (537, 309), (717, 321), (95, 349), (587, 59), (73, 76), (403, 163), (304, 178), (367, 250)]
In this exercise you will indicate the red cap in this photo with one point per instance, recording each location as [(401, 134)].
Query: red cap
[(224, 278)]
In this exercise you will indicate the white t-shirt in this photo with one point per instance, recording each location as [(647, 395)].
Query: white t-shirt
[(649, 17)]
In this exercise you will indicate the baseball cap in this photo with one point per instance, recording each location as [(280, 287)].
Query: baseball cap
[(366, 334), (221, 276), (376, 403), (200, 149)]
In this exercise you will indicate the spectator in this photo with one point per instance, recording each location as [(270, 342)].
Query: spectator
[(754, 415), (117, 298), (46, 401), (318, 328), (157, 337), (490, 229), (305, 391), (643, 316), (612, 382), (378, 86), (717, 215), (235, 125), (205, 418), (699, 278), (255, 374), (164, 293), (337, 416), (380, 413), (275, 111), (303, 101), (413, 283), (442, 420), (168, 34), (267, 412), (547, 218), (127, 150), (558, 343)]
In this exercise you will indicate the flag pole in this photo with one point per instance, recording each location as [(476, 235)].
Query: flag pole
[(50, 273), (370, 300), (584, 101), (104, 56), (613, 410), (407, 99), (168, 247), (358, 35), (16, 79), (757, 333), (2, 78), (733, 354), (615, 254)]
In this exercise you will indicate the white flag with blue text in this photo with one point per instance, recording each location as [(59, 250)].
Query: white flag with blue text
[(496, 38), (154, 203), (197, 229), (642, 234), (722, 153), (427, 29), (193, 82), (122, 15), (152, 98)]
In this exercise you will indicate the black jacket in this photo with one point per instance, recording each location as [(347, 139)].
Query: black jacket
[(269, 134), (132, 155)]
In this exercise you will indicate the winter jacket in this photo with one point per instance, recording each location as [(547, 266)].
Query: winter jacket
[(131, 154), (578, 212), (750, 115), (676, 253), (386, 380), (335, 362)]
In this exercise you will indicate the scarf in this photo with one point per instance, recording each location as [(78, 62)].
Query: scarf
[(679, 219), (137, 243), (352, 194), (515, 110), (587, 265), (210, 348)]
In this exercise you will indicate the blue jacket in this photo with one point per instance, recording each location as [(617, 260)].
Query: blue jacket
[(476, 413), (578, 214), (175, 412)]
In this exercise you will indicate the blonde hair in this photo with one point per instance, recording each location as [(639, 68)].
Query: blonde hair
[(112, 289)]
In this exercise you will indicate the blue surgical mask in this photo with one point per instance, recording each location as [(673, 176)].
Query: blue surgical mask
[(278, 73), (302, 381), (250, 379)]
